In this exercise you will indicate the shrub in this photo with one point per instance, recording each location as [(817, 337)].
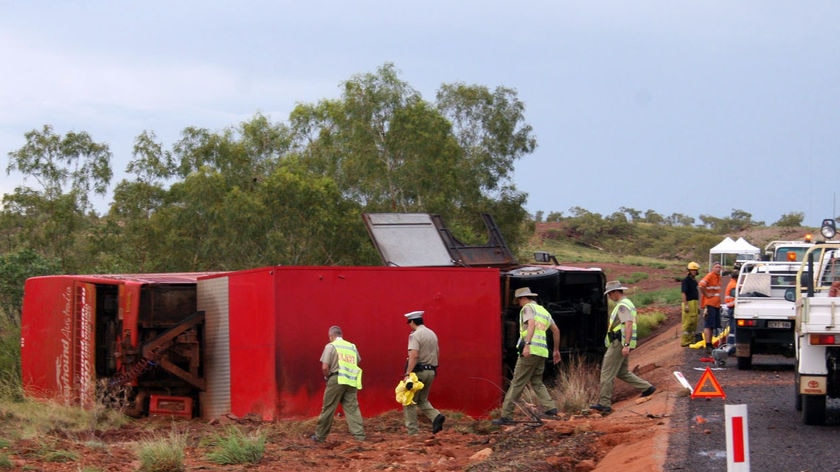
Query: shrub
[(10, 386), (164, 454), (577, 380), (235, 447)]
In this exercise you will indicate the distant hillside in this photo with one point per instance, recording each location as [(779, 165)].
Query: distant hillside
[(761, 236), (578, 243)]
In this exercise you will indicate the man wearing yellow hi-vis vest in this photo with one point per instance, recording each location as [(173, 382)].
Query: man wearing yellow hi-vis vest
[(620, 339), (340, 366), (534, 322)]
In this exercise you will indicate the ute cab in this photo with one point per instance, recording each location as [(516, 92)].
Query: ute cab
[(787, 251), (794, 250)]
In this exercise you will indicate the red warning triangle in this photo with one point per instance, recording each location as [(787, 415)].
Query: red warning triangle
[(701, 390)]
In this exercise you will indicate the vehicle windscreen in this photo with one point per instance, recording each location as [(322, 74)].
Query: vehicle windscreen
[(790, 253)]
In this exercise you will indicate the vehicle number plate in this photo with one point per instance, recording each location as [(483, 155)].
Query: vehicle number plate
[(778, 324)]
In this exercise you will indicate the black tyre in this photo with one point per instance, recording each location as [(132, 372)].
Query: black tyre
[(813, 409), (532, 273), (744, 363)]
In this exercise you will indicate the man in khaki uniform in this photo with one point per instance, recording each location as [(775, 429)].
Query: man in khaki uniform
[(534, 322), (423, 355), (340, 366), (620, 340)]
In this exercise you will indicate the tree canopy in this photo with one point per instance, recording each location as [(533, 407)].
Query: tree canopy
[(290, 193), (264, 193)]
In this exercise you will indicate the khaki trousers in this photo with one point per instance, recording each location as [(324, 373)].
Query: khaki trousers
[(528, 371), (345, 395), (421, 398), (615, 366)]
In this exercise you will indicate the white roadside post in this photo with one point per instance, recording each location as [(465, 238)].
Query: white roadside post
[(737, 439), (681, 379)]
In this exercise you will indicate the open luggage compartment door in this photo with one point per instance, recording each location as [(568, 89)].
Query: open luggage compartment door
[(422, 240)]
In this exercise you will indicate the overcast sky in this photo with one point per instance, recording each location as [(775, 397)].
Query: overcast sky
[(691, 107)]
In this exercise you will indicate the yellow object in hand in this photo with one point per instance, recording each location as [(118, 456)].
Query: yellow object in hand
[(404, 395)]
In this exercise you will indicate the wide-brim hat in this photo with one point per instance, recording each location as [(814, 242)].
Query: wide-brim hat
[(414, 315), (613, 286), (524, 292)]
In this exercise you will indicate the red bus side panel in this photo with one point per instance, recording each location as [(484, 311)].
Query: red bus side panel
[(252, 347), (57, 339), (461, 306)]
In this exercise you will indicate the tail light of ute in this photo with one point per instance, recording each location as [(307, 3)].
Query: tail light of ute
[(823, 339), (747, 323)]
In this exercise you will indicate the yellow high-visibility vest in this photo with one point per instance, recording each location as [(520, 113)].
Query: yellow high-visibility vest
[(349, 372), (542, 320), (620, 326)]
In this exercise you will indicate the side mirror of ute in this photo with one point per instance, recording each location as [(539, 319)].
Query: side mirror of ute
[(545, 257)]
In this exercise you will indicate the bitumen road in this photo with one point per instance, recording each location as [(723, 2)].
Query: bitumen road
[(777, 439)]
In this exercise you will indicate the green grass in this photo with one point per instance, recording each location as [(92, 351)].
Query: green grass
[(646, 323), (59, 456), (636, 277), (163, 453), (237, 447), (668, 296), (33, 418)]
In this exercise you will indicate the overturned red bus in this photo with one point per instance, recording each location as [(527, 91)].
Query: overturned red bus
[(248, 342)]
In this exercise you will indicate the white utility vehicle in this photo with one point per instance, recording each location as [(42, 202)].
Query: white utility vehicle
[(763, 318), (791, 251), (817, 331)]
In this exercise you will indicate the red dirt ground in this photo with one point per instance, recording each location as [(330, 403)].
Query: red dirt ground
[(634, 438)]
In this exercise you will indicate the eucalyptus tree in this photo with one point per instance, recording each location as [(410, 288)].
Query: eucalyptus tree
[(491, 130), (128, 233), (171, 213), (55, 214), (15, 268), (228, 200), (390, 150)]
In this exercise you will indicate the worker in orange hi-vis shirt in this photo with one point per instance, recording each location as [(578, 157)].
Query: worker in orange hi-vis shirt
[(729, 296), (710, 290)]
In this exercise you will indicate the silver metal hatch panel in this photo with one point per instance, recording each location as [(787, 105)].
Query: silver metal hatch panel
[(422, 240), (407, 239)]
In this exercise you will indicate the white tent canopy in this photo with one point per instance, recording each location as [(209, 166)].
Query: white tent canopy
[(741, 249), (746, 248)]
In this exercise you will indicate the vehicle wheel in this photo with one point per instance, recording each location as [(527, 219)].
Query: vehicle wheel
[(744, 363), (797, 399), (532, 273), (813, 409)]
